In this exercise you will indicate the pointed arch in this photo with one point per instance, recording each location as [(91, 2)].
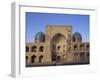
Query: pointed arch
[(27, 49), (57, 42), (41, 59), (75, 47), (26, 59), (82, 57), (33, 49), (41, 48), (57, 35), (82, 47), (33, 59)]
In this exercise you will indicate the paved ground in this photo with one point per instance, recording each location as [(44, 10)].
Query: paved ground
[(53, 64)]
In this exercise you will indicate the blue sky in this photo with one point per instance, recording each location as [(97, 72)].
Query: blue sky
[(36, 22)]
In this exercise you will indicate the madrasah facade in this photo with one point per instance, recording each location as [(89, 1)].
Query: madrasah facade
[(58, 45)]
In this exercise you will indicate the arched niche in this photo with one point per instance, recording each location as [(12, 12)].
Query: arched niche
[(57, 43)]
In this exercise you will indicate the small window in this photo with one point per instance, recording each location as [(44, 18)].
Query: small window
[(88, 55), (27, 49), (41, 59), (41, 49), (87, 47), (33, 49), (82, 47), (58, 48), (82, 57), (75, 48), (33, 59), (26, 59)]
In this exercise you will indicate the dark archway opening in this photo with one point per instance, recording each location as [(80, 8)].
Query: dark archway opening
[(26, 59), (27, 49), (82, 57), (58, 58), (33, 59), (57, 43), (41, 59)]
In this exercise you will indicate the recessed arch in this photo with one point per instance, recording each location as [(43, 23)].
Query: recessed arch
[(82, 57), (41, 48), (58, 35), (27, 49), (41, 59), (82, 47), (33, 59), (87, 47), (58, 47), (58, 58), (75, 47), (33, 48), (87, 54), (76, 57), (27, 59), (57, 42), (88, 57)]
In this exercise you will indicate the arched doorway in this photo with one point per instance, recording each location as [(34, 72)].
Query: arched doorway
[(87, 47), (76, 57), (57, 43), (33, 59), (41, 59), (88, 58), (27, 49), (26, 59), (82, 57), (58, 58)]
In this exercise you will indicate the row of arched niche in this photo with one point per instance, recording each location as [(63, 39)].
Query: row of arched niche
[(81, 47)]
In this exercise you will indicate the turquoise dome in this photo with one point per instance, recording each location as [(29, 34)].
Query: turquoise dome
[(40, 36), (77, 37)]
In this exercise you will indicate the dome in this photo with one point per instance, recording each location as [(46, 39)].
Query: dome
[(77, 37), (40, 36)]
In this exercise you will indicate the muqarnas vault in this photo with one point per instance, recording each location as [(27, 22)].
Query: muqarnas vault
[(57, 46)]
